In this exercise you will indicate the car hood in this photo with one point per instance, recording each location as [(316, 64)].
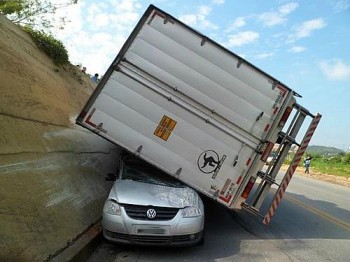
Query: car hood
[(137, 193)]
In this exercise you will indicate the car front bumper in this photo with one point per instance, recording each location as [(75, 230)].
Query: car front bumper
[(175, 240), (178, 231)]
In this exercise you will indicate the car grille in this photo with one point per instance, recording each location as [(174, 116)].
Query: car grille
[(140, 212), (143, 239)]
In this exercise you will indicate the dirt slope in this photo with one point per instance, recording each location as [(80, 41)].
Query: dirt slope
[(51, 170)]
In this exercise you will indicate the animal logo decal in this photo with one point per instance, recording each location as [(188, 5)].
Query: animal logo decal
[(208, 161)]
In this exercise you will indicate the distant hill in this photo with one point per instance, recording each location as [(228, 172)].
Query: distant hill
[(324, 150)]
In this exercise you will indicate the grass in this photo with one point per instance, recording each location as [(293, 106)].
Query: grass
[(336, 165), (337, 169)]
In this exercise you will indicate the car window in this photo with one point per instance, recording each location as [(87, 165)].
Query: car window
[(146, 174)]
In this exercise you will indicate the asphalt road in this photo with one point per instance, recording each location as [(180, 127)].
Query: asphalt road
[(311, 224)]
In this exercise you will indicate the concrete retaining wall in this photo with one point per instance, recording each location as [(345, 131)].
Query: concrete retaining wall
[(52, 190), (52, 171)]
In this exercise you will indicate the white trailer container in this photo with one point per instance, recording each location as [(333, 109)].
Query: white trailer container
[(195, 110)]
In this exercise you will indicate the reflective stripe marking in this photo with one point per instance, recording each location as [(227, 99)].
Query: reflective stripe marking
[(225, 199), (248, 162), (283, 90), (89, 117), (292, 169), (266, 128)]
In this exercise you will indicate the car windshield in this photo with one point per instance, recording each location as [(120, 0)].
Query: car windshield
[(142, 172)]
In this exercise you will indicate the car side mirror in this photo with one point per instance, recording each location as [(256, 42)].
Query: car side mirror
[(110, 177)]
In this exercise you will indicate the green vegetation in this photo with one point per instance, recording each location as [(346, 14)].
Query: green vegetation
[(51, 46), (332, 164), (34, 14), (331, 168), (10, 7), (327, 163)]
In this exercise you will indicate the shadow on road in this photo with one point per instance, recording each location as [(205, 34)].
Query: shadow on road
[(304, 218), (219, 228), (242, 235)]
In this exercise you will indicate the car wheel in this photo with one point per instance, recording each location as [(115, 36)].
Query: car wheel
[(202, 241)]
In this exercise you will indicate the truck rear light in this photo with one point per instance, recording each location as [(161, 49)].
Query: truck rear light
[(285, 116), (248, 188), (267, 151)]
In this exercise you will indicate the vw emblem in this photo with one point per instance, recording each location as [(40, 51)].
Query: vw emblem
[(151, 213)]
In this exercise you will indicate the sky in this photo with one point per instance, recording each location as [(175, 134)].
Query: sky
[(304, 44)]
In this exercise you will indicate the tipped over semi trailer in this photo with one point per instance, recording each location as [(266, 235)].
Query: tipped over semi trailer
[(199, 112)]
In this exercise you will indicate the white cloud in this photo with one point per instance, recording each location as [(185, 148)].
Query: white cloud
[(238, 23), (243, 55), (102, 38), (97, 31), (189, 19), (271, 19), (125, 5), (204, 10), (264, 55), (288, 8), (297, 49), (277, 17), (335, 69), (101, 20), (242, 38), (218, 2), (341, 5), (123, 22), (208, 25), (120, 17), (199, 19), (306, 28), (95, 9), (74, 18)]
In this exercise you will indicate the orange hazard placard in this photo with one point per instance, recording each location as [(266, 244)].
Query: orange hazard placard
[(165, 127)]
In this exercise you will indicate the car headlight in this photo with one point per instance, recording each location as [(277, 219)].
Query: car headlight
[(191, 212), (112, 207)]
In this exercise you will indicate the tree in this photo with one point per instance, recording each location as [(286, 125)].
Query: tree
[(346, 158), (10, 7), (34, 13)]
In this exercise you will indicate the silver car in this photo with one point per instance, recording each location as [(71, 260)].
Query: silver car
[(147, 207)]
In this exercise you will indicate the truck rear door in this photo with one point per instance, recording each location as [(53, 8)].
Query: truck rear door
[(187, 105)]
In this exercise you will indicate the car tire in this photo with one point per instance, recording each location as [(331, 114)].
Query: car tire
[(202, 241)]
